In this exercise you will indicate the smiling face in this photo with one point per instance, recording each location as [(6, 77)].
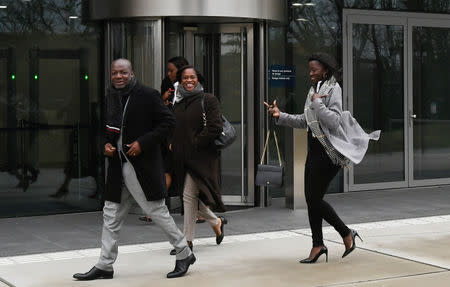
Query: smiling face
[(172, 72), (317, 71), (121, 73), (189, 79)]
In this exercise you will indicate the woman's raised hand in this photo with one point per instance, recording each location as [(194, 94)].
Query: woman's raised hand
[(273, 109)]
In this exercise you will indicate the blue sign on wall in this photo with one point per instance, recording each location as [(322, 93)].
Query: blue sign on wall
[(281, 76)]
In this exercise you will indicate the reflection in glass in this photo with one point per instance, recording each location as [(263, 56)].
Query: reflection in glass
[(4, 159), (378, 100), (311, 29), (203, 58), (229, 94), (431, 102), (436, 6), (51, 162), (136, 41), (143, 53)]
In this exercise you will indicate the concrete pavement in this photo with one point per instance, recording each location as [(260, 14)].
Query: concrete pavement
[(404, 252), (64, 232)]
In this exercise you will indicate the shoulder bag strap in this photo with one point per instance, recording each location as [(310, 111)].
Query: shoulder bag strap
[(203, 110), (265, 146)]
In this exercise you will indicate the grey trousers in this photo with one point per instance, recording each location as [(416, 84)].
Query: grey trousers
[(193, 207), (114, 215)]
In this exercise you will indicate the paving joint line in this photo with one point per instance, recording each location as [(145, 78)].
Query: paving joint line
[(6, 282), (152, 246), (306, 233), (383, 279), (394, 256)]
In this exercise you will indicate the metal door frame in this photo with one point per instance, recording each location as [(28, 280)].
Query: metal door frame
[(408, 21), (11, 133), (158, 37), (247, 99), (349, 20), (429, 21)]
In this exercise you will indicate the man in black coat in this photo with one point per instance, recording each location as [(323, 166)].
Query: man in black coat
[(137, 121)]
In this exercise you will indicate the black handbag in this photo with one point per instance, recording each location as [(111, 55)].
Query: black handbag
[(270, 175), (228, 135)]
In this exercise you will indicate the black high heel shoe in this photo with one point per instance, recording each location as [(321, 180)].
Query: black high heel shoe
[(220, 237), (323, 250), (354, 235)]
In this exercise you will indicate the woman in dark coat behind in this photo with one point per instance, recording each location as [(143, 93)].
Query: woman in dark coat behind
[(196, 158)]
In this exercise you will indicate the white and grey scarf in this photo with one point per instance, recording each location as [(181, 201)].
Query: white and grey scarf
[(183, 93), (313, 124)]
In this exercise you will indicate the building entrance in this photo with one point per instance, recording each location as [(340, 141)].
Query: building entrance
[(224, 53)]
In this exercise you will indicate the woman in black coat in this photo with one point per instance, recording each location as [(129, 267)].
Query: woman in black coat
[(196, 158), (168, 89)]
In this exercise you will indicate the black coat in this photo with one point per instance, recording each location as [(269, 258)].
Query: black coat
[(150, 122), (193, 147)]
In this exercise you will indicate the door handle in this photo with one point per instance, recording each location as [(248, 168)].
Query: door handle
[(414, 116)]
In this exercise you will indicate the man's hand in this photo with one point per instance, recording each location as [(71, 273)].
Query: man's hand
[(317, 96), (109, 150), (273, 109), (135, 149)]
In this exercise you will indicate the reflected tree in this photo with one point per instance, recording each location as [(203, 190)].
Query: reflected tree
[(44, 16)]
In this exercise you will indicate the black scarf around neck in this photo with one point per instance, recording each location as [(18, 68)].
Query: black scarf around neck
[(115, 104)]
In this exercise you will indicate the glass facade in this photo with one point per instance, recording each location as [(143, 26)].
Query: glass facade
[(138, 42), (50, 90), (283, 94), (431, 102), (431, 6), (53, 73), (378, 92), (382, 93), (314, 26)]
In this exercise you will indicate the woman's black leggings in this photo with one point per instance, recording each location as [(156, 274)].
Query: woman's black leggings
[(319, 171)]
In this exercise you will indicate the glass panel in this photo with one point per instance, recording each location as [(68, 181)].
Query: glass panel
[(229, 94), (203, 58), (4, 164), (51, 162), (314, 27), (378, 93), (431, 102), (174, 42), (436, 6), (279, 92), (143, 52), (136, 42)]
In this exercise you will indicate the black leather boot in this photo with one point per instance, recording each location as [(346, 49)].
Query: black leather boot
[(93, 274), (182, 266)]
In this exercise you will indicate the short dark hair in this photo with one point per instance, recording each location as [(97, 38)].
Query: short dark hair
[(126, 61), (200, 77), (327, 61), (179, 62)]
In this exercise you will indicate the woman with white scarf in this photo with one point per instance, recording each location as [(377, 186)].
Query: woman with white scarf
[(334, 139)]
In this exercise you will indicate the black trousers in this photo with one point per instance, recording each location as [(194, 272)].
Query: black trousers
[(319, 171)]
